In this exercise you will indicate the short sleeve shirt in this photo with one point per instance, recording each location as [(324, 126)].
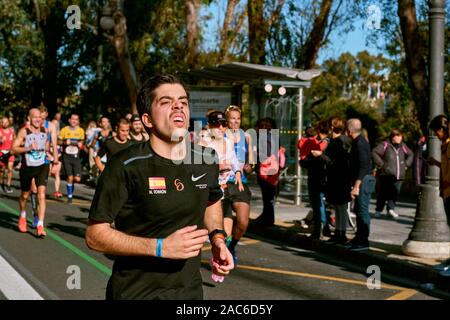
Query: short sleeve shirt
[(111, 147), (75, 135), (150, 196)]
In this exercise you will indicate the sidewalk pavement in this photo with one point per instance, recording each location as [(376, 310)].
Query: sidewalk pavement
[(386, 238)]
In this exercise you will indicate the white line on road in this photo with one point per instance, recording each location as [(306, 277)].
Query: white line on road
[(13, 285)]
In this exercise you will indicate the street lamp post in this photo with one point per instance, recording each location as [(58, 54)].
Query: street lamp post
[(430, 236)]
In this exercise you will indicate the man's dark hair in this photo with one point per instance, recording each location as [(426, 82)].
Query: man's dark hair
[(146, 94), (323, 127), (439, 122)]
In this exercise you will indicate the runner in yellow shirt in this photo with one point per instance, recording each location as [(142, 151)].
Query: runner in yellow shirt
[(71, 138)]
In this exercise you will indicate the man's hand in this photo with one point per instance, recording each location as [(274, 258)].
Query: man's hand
[(184, 243), (316, 153), (222, 257)]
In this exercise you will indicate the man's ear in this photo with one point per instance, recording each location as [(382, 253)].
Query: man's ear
[(147, 120)]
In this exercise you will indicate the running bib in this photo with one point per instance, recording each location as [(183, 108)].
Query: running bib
[(36, 157), (72, 150)]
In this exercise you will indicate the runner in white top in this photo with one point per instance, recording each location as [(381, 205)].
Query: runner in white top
[(229, 166)]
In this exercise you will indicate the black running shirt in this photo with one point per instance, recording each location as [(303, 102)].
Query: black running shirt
[(150, 196)]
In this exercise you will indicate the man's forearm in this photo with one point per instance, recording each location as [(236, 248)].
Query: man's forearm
[(101, 237), (214, 216)]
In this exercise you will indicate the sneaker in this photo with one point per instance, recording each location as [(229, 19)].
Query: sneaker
[(377, 214), (443, 266), (41, 232), (35, 221), (23, 224), (69, 200), (393, 214), (9, 189), (57, 194), (304, 223)]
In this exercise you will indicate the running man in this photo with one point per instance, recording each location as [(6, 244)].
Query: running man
[(49, 159), (33, 142), (71, 138), (7, 137), (235, 199), (137, 132), (163, 206), (119, 142)]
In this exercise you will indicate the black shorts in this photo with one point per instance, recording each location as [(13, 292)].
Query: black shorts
[(26, 174), (232, 195), (72, 165)]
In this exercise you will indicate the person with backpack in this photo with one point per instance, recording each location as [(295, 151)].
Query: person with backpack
[(316, 167), (268, 170), (392, 158)]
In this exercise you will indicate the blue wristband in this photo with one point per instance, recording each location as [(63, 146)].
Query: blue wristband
[(159, 242)]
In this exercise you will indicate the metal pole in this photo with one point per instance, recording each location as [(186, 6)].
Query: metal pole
[(298, 193), (430, 236)]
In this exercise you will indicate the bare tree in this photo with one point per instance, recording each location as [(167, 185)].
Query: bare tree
[(228, 34), (258, 28), (308, 53), (192, 30), (120, 43)]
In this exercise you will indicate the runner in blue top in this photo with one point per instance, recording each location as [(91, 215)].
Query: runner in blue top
[(234, 199)]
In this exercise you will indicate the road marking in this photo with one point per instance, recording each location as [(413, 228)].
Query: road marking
[(13, 285), (402, 295), (106, 270), (74, 201)]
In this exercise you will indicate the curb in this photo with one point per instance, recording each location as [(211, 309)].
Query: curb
[(394, 266)]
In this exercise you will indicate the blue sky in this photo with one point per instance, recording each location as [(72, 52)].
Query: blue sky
[(352, 42)]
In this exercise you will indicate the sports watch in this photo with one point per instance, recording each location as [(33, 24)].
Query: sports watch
[(215, 232)]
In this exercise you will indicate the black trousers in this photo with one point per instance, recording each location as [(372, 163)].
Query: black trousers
[(388, 190), (268, 196)]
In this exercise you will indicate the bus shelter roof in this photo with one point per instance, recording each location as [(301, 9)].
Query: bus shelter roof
[(249, 73)]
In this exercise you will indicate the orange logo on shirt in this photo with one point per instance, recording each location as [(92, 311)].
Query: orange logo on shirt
[(178, 185)]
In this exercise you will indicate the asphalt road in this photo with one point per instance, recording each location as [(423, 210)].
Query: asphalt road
[(49, 268)]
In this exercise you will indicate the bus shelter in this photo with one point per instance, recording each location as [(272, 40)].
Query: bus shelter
[(263, 78)]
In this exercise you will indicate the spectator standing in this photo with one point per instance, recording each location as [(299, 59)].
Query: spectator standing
[(392, 158)]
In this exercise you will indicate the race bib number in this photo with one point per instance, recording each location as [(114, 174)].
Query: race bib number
[(35, 158), (72, 150)]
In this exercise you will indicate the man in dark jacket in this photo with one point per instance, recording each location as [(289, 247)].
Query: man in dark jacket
[(363, 183), (392, 158)]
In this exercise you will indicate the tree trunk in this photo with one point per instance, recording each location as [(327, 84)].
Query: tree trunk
[(120, 42), (52, 25), (225, 37), (415, 52), (257, 31), (308, 54), (192, 9)]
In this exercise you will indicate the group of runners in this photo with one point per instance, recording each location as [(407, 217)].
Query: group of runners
[(150, 211)]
